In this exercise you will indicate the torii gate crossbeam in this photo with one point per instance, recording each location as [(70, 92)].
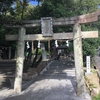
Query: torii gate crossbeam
[(82, 19), (56, 36)]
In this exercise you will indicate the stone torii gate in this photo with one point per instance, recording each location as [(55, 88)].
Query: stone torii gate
[(47, 34)]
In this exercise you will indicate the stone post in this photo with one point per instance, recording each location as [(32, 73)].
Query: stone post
[(49, 46), (80, 84), (9, 52), (44, 57), (19, 60), (0, 54), (32, 47)]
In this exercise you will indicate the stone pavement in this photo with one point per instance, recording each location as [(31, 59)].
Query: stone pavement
[(57, 83)]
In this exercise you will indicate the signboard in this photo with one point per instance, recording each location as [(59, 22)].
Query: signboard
[(46, 26), (88, 64)]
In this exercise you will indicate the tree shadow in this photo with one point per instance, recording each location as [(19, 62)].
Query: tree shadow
[(55, 73), (5, 83)]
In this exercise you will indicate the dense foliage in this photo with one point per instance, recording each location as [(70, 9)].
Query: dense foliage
[(63, 8)]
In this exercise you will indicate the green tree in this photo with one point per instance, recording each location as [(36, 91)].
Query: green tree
[(5, 6), (85, 6), (20, 8)]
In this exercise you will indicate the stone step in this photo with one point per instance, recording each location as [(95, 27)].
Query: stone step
[(61, 69), (62, 62), (63, 97), (7, 69), (68, 64), (7, 66), (62, 65), (49, 76), (59, 74)]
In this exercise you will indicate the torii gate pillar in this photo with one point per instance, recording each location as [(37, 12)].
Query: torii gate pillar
[(77, 41), (19, 60)]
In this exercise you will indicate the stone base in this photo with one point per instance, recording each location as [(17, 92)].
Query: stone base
[(85, 96), (87, 73)]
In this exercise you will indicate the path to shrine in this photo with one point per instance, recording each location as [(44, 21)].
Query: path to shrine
[(57, 83)]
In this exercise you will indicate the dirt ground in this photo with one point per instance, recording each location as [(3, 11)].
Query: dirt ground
[(92, 81)]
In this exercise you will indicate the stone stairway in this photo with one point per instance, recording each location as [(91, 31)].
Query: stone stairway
[(7, 70)]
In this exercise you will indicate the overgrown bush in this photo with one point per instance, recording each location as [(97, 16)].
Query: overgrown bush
[(96, 97)]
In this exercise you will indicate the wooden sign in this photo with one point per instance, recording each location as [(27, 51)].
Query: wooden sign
[(46, 26)]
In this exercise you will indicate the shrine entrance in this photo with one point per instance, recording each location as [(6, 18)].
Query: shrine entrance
[(47, 24)]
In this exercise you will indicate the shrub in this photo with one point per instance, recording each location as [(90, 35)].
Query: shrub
[(96, 97), (39, 51)]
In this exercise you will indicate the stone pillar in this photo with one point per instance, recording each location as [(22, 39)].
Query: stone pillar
[(19, 60), (49, 46), (9, 52), (80, 84), (44, 57), (32, 46), (0, 54)]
